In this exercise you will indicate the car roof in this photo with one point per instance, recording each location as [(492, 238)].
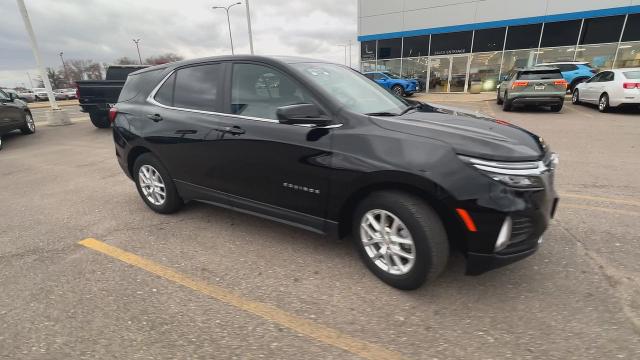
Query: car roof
[(623, 69), (538, 68), (265, 59)]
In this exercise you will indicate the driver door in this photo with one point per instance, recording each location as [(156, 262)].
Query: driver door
[(589, 88)]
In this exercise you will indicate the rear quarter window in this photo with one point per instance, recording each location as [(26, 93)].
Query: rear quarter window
[(138, 83), (540, 75), (633, 75)]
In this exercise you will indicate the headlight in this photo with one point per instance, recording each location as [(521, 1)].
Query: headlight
[(522, 175)]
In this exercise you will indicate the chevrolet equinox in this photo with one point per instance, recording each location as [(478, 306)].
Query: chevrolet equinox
[(319, 146)]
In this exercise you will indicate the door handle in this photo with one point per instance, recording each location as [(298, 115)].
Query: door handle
[(155, 117), (233, 130)]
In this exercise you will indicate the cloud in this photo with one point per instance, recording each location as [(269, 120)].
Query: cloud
[(102, 30)]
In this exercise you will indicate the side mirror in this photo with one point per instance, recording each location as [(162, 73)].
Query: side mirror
[(301, 114)]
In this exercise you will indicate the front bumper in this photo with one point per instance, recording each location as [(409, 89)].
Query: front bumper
[(478, 264)]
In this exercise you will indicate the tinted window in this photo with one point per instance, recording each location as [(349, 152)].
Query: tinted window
[(136, 83), (196, 87), (488, 40), (596, 78), (369, 76), (602, 30), (258, 91), (165, 93), (560, 33), (540, 75), (378, 76), (607, 76), (451, 43), (389, 48), (416, 46), (368, 50), (523, 37), (632, 30), (3, 95), (634, 75)]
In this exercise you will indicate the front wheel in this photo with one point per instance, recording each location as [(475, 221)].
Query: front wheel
[(575, 98), (100, 120), (155, 186), (603, 103), (29, 126), (400, 238), (398, 90)]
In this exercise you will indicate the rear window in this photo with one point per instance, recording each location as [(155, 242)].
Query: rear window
[(633, 75), (136, 83), (540, 75)]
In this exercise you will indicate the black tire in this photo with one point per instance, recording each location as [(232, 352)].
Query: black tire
[(172, 202), (603, 103), (506, 104), (426, 229), (29, 126), (499, 100), (556, 108), (408, 94), (398, 90), (575, 97), (100, 120), (0, 142)]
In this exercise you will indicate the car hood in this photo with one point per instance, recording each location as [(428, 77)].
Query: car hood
[(471, 134)]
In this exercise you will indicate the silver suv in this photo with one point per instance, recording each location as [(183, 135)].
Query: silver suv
[(539, 86)]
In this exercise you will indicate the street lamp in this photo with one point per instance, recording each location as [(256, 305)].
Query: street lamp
[(64, 67), (228, 20), (136, 41), (246, 2)]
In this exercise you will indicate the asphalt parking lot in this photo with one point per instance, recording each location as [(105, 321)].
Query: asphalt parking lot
[(211, 283)]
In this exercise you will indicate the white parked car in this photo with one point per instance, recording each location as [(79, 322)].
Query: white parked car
[(610, 88), (40, 94)]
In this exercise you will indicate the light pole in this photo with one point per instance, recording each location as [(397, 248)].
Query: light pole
[(246, 2), (64, 67), (345, 52), (226, 8), (137, 41)]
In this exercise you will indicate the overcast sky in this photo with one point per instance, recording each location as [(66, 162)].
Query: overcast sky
[(101, 30)]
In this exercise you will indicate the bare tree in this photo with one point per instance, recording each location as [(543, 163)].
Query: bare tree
[(56, 78), (125, 61), (163, 59), (84, 70)]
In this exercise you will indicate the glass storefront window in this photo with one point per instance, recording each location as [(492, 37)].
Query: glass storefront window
[(484, 70), (451, 43), (628, 55), (368, 50), (599, 56), (561, 33), (389, 48), (416, 68), (488, 40), (601, 30), (367, 66), (632, 30), (558, 54), (416, 46), (392, 66), (523, 37), (518, 59)]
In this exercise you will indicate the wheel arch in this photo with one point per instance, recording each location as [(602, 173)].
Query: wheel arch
[(133, 154), (436, 196)]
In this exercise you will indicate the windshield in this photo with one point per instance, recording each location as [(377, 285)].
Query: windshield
[(634, 75), (391, 75), (352, 89)]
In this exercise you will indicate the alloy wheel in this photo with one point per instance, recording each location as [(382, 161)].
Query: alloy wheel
[(604, 103), (30, 123), (575, 97), (152, 185), (387, 241), (397, 90)]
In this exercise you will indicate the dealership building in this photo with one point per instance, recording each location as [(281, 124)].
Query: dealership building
[(457, 45)]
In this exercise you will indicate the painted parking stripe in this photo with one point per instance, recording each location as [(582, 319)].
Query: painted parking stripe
[(599, 198), (309, 328), (596, 208)]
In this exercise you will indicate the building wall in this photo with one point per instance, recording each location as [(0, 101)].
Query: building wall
[(377, 17)]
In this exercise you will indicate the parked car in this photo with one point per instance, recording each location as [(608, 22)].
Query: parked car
[(97, 96), (398, 85), (66, 94), (611, 88), (14, 115), (27, 95), (537, 86), (575, 72), (40, 94), (332, 152), (59, 95)]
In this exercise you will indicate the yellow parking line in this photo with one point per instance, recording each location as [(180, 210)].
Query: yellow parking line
[(595, 208), (598, 198), (271, 313)]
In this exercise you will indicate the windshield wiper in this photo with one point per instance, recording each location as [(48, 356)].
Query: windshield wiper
[(409, 108), (382, 113)]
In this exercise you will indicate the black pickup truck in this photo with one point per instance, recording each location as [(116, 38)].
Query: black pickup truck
[(97, 96)]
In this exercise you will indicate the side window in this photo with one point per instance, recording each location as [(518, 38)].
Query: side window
[(196, 87), (607, 76), (3, 95), (377, 76), (596, 78), (369, 76), (258, 91), (165, 94)]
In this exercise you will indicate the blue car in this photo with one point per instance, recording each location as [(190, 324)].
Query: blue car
[(574, 72), (397, 85)]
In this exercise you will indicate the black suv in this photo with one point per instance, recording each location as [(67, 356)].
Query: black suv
[(319, 146)]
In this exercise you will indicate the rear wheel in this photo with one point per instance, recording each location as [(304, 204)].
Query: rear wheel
[(603, 103), (400, 238), (29, 125), (499, 100), (100, 120), (398, 90), (556, 108), (155, 186), (506, 103), (575, 98)]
